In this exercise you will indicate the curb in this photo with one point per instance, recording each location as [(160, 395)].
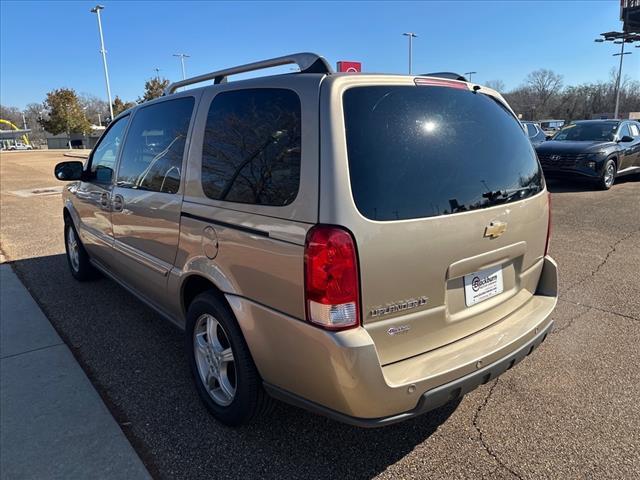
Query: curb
[(76, 155), (53, 423)]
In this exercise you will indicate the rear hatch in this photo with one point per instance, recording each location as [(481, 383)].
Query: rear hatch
[(452, 212)]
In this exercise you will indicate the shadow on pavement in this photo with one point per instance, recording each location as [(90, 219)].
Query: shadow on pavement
[(136, 361)]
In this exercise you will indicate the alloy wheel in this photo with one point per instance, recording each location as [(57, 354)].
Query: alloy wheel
[(609, 174), (73, 249), (214, 359)]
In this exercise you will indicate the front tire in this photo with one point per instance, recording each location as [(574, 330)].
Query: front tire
[(225, 376), (77, 256), (608, 175)]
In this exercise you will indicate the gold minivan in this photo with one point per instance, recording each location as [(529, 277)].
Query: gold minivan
[(368, 247)]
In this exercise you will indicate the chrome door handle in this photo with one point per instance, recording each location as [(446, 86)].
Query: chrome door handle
[(117, 203), (104, 199)]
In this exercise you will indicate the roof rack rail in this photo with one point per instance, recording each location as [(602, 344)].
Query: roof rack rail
[(448, 75), (307, 62)]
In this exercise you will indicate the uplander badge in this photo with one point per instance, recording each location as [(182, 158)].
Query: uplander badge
[(396, 307)]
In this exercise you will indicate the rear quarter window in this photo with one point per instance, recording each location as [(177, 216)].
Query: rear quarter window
[(419, 152), (252, 147)]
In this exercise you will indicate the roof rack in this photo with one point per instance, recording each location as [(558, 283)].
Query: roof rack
[(448, 75), (307, 62)]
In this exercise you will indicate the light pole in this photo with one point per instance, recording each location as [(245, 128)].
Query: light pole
[(24, 121), (157, 73), (621, 55), (468, 75), (411, 36), (619, 38), (182, 57), (96, 10)]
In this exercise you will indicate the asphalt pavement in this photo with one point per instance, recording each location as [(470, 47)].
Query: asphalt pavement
[(570, 410)]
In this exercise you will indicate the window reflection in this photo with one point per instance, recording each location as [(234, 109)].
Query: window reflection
[(251, 151)]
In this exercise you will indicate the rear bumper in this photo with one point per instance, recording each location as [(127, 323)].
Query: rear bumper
[(338, 374), (429, 400)]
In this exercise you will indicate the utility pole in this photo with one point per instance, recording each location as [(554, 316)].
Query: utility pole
[(468, 75), (411, 36), (618, 80), (182, 57), (96, 10), (619, 38)]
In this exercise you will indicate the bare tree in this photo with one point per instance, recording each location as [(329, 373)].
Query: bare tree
[(96, 109), (497, 85), (11, 114), (34, 113), (544, 85)]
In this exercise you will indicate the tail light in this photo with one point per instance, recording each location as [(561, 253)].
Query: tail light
[(546, 246), (332, 292)]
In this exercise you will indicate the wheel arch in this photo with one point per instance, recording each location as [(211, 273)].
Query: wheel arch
[(193, 285), (66, 215)]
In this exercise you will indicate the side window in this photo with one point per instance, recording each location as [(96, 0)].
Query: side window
[(252, 144), (624, 131), (635, 131), (531, 129), (103, 160), (152, 154)]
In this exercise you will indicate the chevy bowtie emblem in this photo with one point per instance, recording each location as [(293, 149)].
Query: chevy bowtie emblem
[(495, 229)]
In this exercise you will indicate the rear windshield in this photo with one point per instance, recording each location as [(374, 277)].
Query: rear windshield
[(424, 151)]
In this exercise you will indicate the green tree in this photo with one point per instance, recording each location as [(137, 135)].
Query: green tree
[(64, 112), (120, 106), (153, 88)]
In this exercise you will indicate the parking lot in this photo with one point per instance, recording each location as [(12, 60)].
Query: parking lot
[(570, 410)]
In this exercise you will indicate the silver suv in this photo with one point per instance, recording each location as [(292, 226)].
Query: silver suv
[(368, 247)]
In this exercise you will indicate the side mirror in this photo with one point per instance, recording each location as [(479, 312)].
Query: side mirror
[(626, 139), (69, 171)]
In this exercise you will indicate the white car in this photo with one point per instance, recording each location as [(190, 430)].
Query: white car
[(20, 146)]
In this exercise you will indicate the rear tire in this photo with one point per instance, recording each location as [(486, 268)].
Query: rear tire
[(224, 373), (77, 256), (608, 175)]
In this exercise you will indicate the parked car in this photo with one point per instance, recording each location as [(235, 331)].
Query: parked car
[(19, 146), (368, 247), (535, 133), (551, 127), (597, 150)]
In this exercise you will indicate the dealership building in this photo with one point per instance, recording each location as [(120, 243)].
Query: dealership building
[(77, 140)]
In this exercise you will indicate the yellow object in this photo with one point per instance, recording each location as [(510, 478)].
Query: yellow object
[(25, 138)]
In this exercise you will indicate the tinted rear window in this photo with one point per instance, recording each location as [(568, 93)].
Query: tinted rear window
[(252, 147), (425, 151)]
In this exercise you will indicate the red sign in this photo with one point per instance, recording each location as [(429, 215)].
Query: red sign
[(349, 67)]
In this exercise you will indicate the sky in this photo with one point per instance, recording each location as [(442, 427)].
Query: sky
[(48, 45)]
